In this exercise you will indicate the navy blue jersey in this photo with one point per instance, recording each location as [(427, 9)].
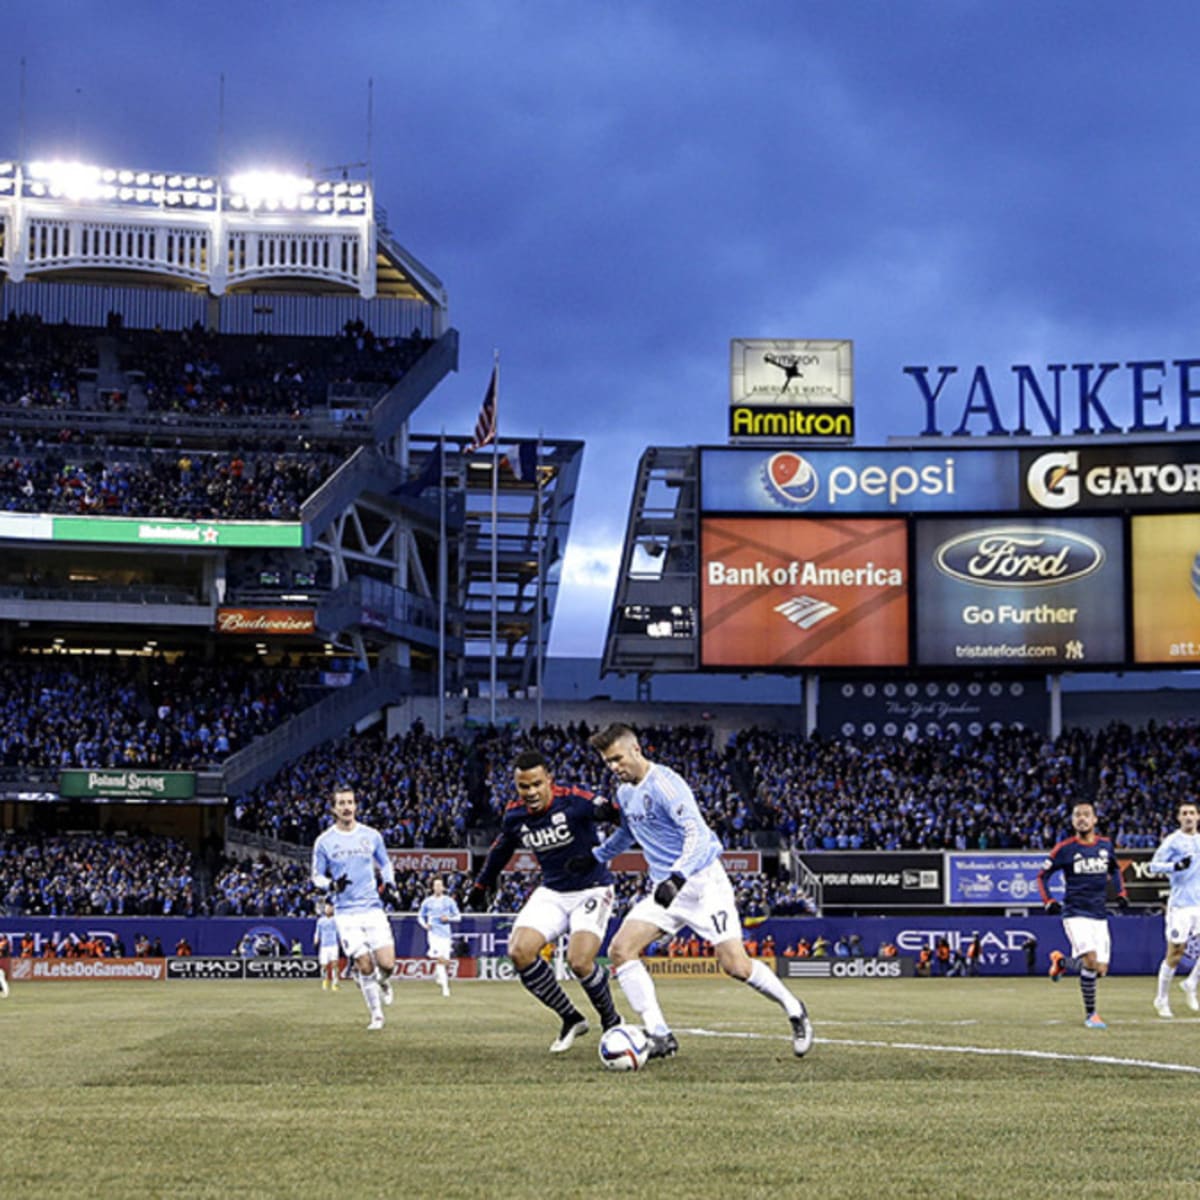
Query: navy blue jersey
[(566, 829), (1086, 867)]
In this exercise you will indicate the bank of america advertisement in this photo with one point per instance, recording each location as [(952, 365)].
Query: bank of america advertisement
[(1020, 592), (1165, 556), (854, 481), (803, 593)]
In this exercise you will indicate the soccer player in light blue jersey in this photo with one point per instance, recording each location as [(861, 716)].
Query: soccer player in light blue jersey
[(325, 942), (345, 860), (690, 888), (434, 916), (1179, 859)]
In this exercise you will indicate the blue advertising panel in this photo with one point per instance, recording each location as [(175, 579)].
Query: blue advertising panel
[(858, 481), (1036, 592), (1000, 878)]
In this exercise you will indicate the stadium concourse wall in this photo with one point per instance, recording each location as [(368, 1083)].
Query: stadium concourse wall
[(482, 941)]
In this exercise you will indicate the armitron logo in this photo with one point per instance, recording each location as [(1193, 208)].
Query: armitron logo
[(790, 479), (1019, 556), (806, 611)]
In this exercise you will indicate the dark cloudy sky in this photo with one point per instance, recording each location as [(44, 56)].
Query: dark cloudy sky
[(612, 190)]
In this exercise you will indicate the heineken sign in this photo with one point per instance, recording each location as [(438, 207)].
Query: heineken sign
[(128, 785)]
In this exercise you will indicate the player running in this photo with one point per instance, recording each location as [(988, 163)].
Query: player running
[(558, 826), (1179, 859), (344, 862), (1086, 861), (325, 942), (434, 916), (691, 888)]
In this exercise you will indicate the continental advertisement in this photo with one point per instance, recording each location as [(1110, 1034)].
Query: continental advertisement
[(1034, 591), (803, 592), (1165, 556), (691, 968)]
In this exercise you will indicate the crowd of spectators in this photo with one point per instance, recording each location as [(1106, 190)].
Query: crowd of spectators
[(84, 711), (183, 484), (40, 364)]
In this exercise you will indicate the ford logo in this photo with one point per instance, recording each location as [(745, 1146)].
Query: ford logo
[(1019, 557), (790, 479)]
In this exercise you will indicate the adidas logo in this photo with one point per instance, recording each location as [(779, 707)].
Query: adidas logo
[(806, 611)]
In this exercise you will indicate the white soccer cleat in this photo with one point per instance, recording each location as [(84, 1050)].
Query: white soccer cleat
[(1190, 993), (1162, 1006), (446, 992), (385, 991), (376, 1022), (802, 1033), (570, 1031)]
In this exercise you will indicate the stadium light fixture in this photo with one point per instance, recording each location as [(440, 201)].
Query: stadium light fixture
[(72, 180), (268, 189)]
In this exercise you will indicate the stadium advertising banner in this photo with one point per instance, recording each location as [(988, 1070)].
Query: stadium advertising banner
[(803, 593), (997, 879), (1165, 564), (857, 481), (872, 879), (1026, 591), (262, 621), (897, 708), (128, 785), (82, 970), (790, 390), (430, 860), (1145, 476), (898, 967), (633, 862), (151, 531)]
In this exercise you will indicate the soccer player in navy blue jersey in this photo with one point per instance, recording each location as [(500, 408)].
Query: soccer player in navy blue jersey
[(1086, 861), (558, 826)]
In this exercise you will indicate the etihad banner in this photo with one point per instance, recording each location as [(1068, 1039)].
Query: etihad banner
[(963, 709), (128, 784), (1020, 592), (857, 481), (1165, 558), (803, 593), (1149, 476), (264, 621)]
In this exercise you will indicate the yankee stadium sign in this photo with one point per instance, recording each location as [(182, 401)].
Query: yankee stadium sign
[(1151, 396)]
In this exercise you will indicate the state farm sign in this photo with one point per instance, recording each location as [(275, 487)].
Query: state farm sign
[(266, 620)]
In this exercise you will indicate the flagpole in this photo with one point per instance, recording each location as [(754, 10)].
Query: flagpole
[(442, 572), (495, 538), (541, 542)]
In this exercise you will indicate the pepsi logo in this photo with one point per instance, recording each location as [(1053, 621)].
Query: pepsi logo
[(790, 479)]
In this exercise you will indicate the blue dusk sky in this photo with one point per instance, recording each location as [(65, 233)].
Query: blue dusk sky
[(610, 191)]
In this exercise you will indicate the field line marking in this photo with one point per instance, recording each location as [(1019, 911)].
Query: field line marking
[(1108, 1060)]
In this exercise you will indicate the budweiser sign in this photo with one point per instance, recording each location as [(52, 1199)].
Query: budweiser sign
[(266, 620)]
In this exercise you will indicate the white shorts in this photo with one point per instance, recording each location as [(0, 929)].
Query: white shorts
[(1088, 935), (705, 904), (553, 913), (327, 955), (437, 945), (361, 932), (1182, 924)]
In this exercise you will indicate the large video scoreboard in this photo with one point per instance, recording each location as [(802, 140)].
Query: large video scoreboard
[(1067, 558)]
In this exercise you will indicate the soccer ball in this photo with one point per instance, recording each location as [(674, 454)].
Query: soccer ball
[(624, 1048)]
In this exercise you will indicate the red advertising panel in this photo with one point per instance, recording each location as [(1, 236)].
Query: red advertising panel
[(803, 592)]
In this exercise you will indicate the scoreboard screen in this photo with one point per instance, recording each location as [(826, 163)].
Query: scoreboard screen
[(803, 592), (1165, 558)]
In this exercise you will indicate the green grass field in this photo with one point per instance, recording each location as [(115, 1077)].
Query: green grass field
[(277, 1089)]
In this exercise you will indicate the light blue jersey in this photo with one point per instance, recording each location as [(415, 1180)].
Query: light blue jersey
[(1185, 885), (436, 913), (356, 854), (661, 815), (327, 934)]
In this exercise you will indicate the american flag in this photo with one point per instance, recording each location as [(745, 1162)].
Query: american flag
[(485, 426)]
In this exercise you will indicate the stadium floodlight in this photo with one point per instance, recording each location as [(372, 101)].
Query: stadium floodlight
[(72, 180), (268, 189)]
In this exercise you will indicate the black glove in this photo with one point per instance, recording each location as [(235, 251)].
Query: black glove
[(1122, 902), (391, 897), (668, 889), (607, 811), (477, 898), (582, 864), (1184, 863), (1053, 908), (338, 884)]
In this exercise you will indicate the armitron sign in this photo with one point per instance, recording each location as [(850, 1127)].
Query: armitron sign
[(260, 621), (790, 391)]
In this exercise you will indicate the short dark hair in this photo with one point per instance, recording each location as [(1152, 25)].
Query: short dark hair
[(529, 760), (610, 734)]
